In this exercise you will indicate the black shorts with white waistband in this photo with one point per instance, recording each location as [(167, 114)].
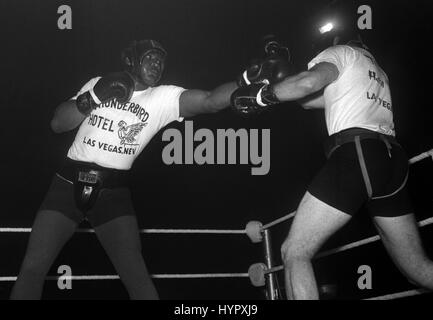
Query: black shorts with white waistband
[(366, 172)]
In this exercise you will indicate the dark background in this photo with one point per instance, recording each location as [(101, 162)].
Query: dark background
[(209, 42)]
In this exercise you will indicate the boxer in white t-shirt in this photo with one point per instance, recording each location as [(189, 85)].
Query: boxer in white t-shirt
[(117, 115), (365, 166)]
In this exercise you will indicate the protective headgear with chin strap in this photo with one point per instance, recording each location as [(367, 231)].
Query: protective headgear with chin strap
[(132, 56)]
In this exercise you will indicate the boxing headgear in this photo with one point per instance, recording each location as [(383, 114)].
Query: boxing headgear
[(132, 56), (336, 24), (337, 35), (273, 46)]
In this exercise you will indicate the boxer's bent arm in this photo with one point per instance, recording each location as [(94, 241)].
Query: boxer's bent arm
[(194, 102), (66, 117), (306, 83)]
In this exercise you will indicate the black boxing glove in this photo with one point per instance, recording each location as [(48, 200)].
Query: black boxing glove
[(118, 85), (273, 68), (270, 70), (251, 74), (253, 99)]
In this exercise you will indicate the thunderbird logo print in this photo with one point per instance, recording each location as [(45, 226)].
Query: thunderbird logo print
[(127, 134)]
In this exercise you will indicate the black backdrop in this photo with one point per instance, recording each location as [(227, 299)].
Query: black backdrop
[(208, 43)]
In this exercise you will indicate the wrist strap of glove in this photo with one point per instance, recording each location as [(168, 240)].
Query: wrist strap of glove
[(242, 80), (95, 98), (85, 103), (266, 96), (245, 80)]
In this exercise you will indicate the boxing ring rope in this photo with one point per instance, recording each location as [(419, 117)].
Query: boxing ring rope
[(404, 294), (154, 276), (421, 156), (175, 231), (280, 220), (260, 274)]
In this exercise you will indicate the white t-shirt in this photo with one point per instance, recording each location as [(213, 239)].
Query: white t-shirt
[(114, 134), (360, 96)]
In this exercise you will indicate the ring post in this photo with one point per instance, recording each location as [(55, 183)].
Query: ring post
[(271, 288)]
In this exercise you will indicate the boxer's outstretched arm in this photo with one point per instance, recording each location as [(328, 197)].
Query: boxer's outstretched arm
[(194, 102), (66, 117)]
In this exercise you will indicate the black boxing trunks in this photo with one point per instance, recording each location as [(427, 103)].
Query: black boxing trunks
[(86, 191), (364, 168)]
